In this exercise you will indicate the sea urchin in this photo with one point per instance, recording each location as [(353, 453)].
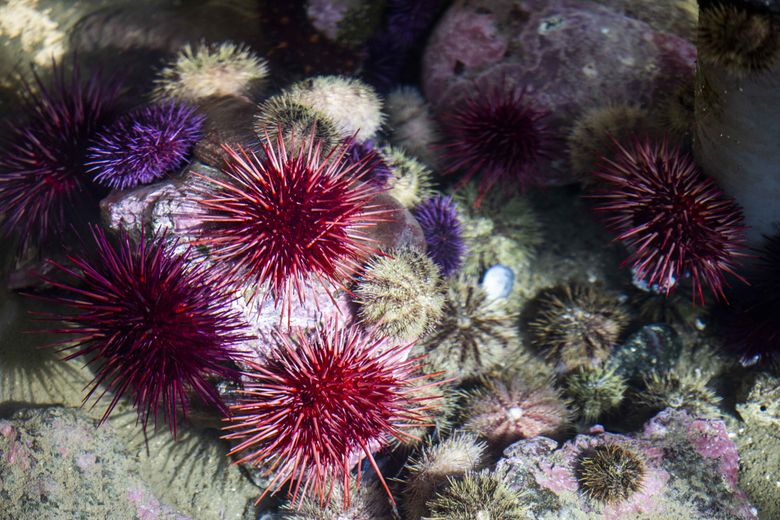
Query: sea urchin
[(674, 219), (610, 473), (438, 218), (155, 325), (144, 145), (499, 134), (42, 180), (319, 403), (283, 217)]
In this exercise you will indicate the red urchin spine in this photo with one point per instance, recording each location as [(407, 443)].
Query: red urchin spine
[(320, 403), (675, 219), (153, 324), (285, 217)]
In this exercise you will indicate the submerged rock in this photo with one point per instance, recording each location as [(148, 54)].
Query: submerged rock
[(55, 463), (570, 55), (689, 470)]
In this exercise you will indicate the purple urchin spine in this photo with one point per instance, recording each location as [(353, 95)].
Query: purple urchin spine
[(145, 145), (438, 218)]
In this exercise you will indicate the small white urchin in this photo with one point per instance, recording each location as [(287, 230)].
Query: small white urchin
[(353, 106), (225, 69)]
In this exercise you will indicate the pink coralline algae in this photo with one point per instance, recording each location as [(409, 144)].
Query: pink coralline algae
[(691, 468), (711, 440)]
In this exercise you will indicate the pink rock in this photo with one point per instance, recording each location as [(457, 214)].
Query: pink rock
[(711, 439), (571, 55)]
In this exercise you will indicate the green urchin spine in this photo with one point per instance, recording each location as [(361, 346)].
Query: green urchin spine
[(501, 231), (578, 325), (595, 391), (680, 389), (400, 294), (412, 181), (477, 496), (740, 40), (282, 114), (610, 473), (474, 333)]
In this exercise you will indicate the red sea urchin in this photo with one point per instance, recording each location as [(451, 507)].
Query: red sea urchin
[(154, 325), (284, 216), (42, 175), (145, 145), (675, 219), (319, 403), (500, 135)]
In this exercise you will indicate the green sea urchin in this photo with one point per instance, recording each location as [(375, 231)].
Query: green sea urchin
[(453, 457), (473, 334), (680, 389), (411, 182), (224, 69), (741, 40), (502, 411), (595, 391), (610, 473), (578, 325), (477, 496), (594, 133), (353, 106), (282, 115), (400, 294)]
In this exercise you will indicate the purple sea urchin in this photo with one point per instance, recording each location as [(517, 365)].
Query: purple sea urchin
[(154, 325), (674, 219), (320, 403), (289, 215), (500, 135), (375, 164), (438, 218), (42, 173), (144, 145)]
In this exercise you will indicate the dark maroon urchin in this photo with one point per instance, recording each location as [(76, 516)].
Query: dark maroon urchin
[(674, 219), (500, 135), (145, 145), (43, 185), (154, 325), (438, 218), (751, 324)]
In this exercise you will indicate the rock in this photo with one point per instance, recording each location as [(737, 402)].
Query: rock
[(653, 347), (758, 441), (229, 121), (569, 54), (691, 468), (55, 463)]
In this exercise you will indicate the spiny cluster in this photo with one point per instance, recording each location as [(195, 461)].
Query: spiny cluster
[(400, 294), (473, 335), (438, 218), (477, 496), (285, 217), (741, 40), (155, 325), (503, 411), (144, 145), (319, 403), (595, 390), (43, 186), (224, 69), (578, 325), (610, 473), (676, 222), (500, 135)]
